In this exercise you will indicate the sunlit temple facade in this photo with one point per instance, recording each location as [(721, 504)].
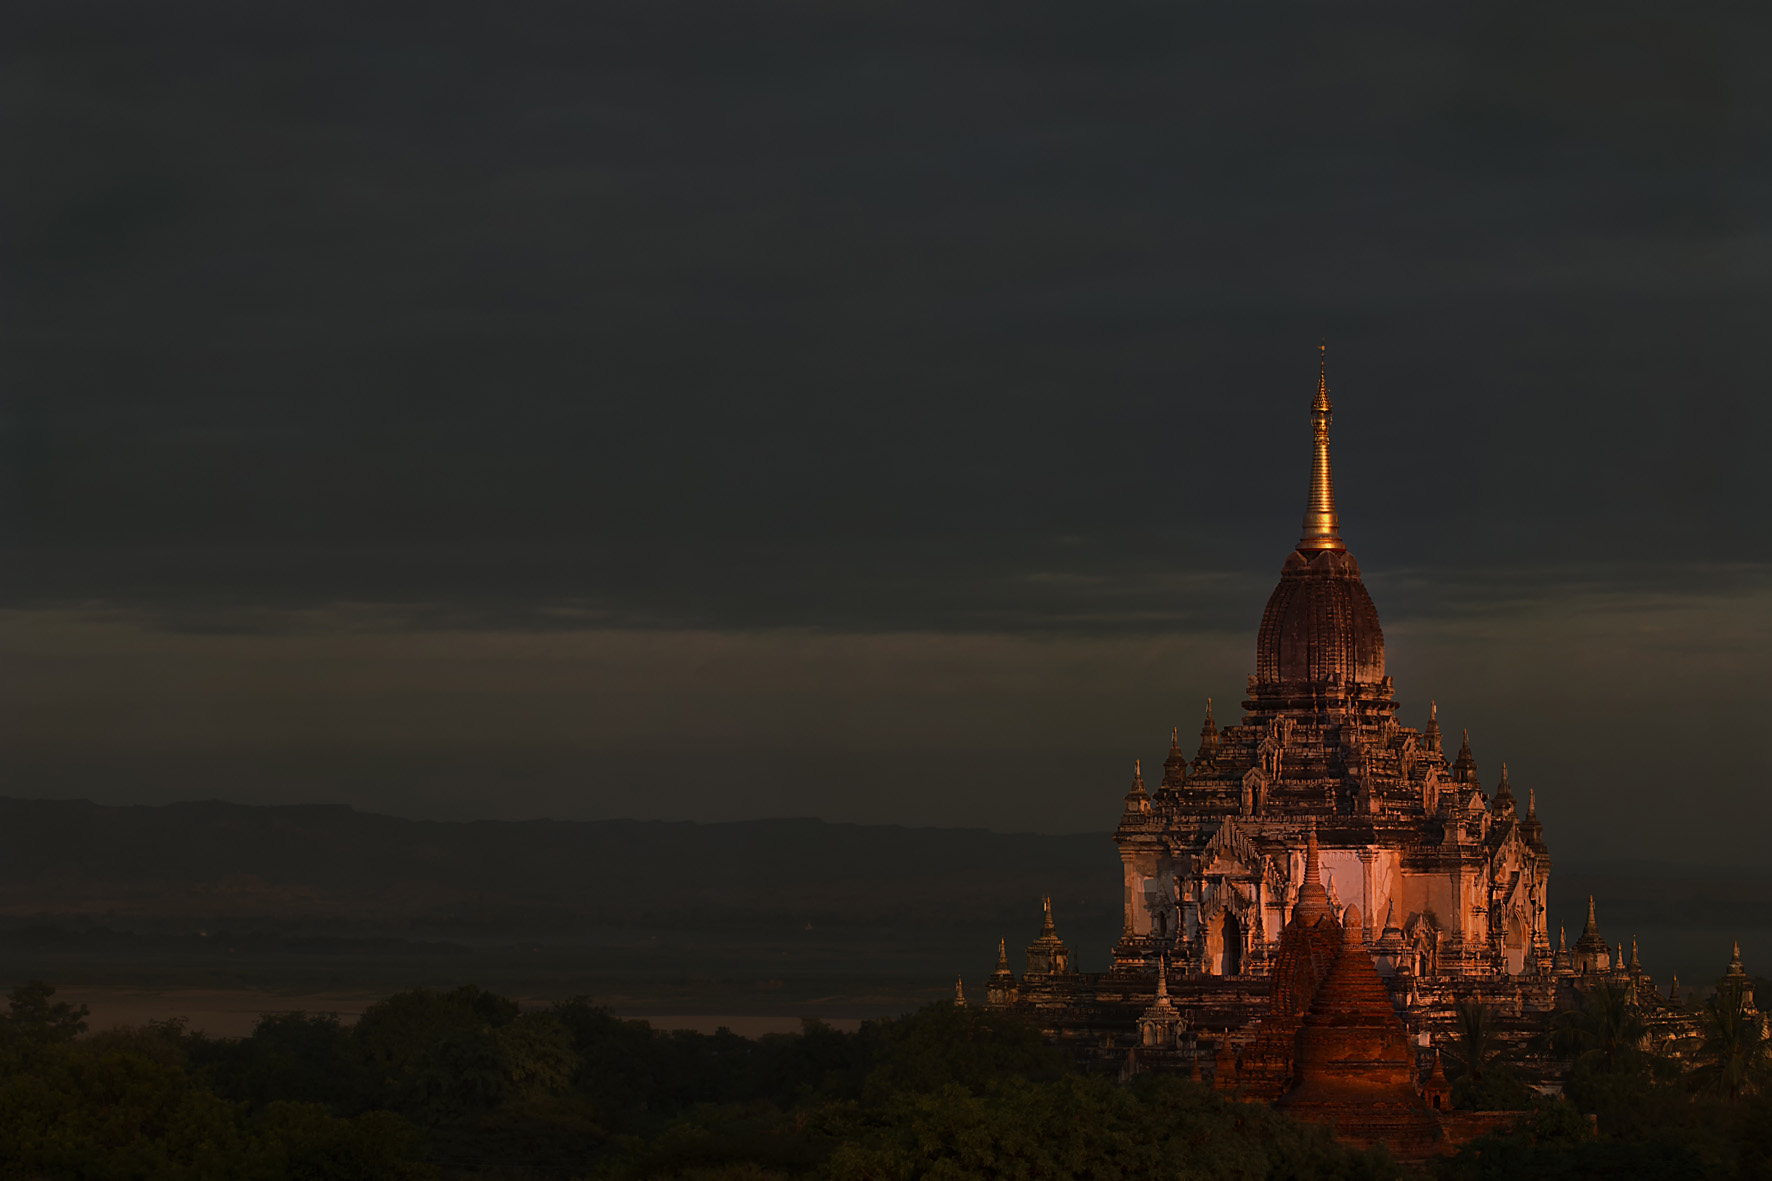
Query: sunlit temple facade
[(1318, 801)]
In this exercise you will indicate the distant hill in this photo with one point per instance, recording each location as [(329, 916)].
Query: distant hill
[(715, 891), (213, 861)]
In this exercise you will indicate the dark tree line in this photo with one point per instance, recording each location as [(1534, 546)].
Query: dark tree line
[(1625, 1112), (465, 1084)]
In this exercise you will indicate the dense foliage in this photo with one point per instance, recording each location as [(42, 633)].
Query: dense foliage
[(465, 1084), (1627, 1113), (129, 1104)]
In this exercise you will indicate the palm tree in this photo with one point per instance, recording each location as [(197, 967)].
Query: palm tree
[(1477, 1044), (1736, 1058), (1606, 1025)]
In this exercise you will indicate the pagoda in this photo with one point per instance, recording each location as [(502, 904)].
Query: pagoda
[(1442, 886)]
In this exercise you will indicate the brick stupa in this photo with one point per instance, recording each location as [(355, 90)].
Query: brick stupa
[(1355, 1065)]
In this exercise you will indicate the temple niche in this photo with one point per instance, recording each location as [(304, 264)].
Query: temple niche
[(1318, 796)]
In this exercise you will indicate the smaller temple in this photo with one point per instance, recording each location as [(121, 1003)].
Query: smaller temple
[(1160, 1025), (1308, 947), (1735, 986), (1355, 1065), (1047, 954), (1000, 990), (1592, 955)]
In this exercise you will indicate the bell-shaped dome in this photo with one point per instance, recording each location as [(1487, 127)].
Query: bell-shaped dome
[(1320, 624)]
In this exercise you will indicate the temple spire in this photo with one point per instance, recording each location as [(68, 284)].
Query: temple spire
[(1207, 756), (1137, 799), (1313, 900), (1322, 527), (1175, 766), (1464, 767), (1504, 794)]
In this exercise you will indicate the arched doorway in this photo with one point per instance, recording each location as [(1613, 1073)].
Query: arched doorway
[(1515, 944), (1224, 945), (1233, 945)]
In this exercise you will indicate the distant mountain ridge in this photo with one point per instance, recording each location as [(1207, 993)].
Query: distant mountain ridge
[(215, 860), (318, 869)]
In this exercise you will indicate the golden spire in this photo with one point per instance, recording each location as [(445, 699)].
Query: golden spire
[(1322, 528)]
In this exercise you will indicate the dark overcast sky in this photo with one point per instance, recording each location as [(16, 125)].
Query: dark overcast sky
[(878, 411)]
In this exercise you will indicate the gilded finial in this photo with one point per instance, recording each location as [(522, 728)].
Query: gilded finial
[(1322, 527)]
